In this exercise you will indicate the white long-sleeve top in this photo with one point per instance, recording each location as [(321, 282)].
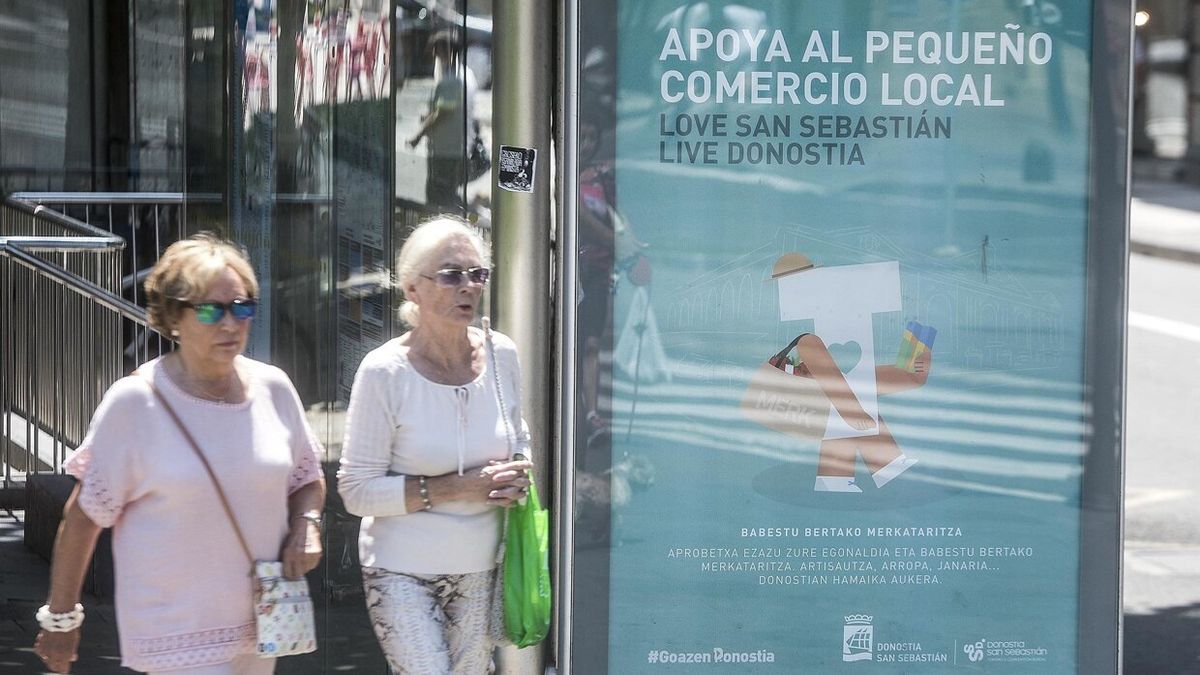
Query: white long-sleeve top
[(402, 424)]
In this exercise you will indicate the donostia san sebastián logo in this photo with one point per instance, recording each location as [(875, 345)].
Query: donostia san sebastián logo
[(858, 638), (859, 643), (1010, 651)]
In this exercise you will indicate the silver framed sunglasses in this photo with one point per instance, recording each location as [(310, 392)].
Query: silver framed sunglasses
[(453, 278)]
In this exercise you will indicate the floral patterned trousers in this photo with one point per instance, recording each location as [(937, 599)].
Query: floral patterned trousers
[(431, 624)]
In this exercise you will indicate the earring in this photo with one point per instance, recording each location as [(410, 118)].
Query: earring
[(174, 332)]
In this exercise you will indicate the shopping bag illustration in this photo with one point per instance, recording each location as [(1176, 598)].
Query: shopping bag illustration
[(916, 341), (782, 396)]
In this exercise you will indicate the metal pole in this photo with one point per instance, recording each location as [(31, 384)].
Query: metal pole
[(523, 92), (564, 543)]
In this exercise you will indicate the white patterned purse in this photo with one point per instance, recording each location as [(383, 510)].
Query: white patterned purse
[(283, 612)]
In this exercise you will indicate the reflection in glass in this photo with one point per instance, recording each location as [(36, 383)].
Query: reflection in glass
[(284, 126), (91, 96), (256, 43), (157, 162), (444, 107), (318, 86)]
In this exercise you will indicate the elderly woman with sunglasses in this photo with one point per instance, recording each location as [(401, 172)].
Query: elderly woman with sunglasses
[(183, 583), (434, 449)]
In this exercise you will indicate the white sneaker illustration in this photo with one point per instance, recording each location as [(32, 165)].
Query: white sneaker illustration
[(894, 468), (835, 484)]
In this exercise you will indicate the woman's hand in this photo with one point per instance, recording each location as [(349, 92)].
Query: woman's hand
[(58, 650), (510, 481), (496, 483), (302, 548)]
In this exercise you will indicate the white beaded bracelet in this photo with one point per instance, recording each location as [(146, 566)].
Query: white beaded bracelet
[(59, 623)]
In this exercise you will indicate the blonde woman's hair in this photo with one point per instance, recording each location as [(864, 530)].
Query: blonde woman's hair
[(424, 240), (185, 271)]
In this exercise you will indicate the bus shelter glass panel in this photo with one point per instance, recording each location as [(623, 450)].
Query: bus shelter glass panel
[(833, 341)]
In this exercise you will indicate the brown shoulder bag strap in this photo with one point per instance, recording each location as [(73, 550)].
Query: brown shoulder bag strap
[(203, 460)]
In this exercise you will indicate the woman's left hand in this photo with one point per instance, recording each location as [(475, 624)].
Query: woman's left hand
[(58, 650), (510, 481), (302, 548)]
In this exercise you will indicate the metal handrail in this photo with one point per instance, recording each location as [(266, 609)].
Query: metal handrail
[(59, 278), (61, 244), (75, 283), (147, 221), (36, 210), (112, 197), (104, 198)]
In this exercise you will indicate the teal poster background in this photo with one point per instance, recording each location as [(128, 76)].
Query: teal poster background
[(962, 207)]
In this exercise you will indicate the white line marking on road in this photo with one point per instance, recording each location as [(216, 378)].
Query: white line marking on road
[(1146, 544), (1162, 559), (1138, 564), (1157, 324), (1136, 497)]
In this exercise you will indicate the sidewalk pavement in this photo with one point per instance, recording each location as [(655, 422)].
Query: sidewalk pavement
[(24, 580)]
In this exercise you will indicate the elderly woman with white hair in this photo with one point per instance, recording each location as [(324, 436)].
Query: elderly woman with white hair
[(435, 448), (183, 582)]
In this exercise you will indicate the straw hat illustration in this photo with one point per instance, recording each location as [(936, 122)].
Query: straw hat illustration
[(790, 263)]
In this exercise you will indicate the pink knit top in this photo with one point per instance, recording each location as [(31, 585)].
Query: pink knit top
[(183, 585)]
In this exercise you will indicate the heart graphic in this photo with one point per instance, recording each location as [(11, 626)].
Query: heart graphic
[(846, 355)]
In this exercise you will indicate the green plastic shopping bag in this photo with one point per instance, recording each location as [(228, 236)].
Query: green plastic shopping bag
[(527, 572)]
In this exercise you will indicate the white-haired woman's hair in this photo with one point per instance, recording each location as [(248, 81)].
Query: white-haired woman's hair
[(424, 240)]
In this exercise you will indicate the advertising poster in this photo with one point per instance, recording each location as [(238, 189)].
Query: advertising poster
[(832, 292)]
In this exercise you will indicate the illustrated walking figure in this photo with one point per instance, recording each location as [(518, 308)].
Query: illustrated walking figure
[(825, 384)]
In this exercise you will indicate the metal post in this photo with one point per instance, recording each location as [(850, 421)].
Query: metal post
[(522, 97), (568, 163)]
